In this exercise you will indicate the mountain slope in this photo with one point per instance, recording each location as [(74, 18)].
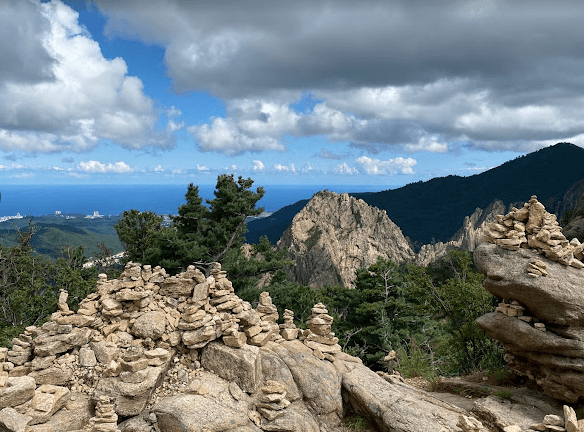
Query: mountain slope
[(335, 235), (435, 209)]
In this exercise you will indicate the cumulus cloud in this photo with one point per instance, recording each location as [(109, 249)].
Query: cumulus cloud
[(290, 168), (72, 96), (343, 168), (258, 165), (93, 166), (158, 168), (468, 86), (390, 166), (223, 135)]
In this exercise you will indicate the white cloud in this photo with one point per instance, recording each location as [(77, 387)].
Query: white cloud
[(223, 135), (98, 167), (258, 165), (290, 168), (343, 168), (202, 168), (88, 98), (391, 166), (158, 168)]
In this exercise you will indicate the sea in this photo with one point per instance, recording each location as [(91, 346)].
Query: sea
[(40, 200)]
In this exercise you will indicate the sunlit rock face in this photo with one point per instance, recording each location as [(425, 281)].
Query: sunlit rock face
[(537, 273)]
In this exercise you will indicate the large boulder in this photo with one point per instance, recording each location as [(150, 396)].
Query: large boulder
[(240, 365), (394, 406), (541, 319), (150, 325), (557, 298), (318, 381), (132, 396), (193, 413)]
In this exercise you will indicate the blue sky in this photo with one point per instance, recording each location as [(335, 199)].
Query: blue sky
[(303, 92)]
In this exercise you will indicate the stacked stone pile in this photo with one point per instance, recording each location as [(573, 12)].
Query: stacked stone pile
[(319, 336), (106, 419), (166, 353), (272, 401), (536, 272), (268, 314), (533, 227), (288, 329)]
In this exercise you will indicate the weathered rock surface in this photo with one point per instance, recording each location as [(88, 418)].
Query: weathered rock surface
[(395, 406), (195, 358), (540, 321), (334, 235)]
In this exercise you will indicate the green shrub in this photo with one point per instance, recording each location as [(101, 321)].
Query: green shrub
[(359, 423), (504, 394), (415, 362)]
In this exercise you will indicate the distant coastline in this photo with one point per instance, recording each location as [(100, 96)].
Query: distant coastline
[(42, 200)]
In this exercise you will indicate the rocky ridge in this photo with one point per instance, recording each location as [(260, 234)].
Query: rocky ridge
[(536, 271), (334, 235), (151, 352)]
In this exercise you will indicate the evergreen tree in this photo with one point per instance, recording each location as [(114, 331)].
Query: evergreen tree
[(199, 234), (135, 230), (30, 284)]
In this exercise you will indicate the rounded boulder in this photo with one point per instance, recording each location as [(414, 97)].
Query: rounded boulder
[(150, 325)]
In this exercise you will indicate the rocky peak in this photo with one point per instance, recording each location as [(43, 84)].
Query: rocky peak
[(334, 235), (537, 274)]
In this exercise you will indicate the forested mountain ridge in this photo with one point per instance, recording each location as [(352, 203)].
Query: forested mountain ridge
[(56, 231), (435, 209)]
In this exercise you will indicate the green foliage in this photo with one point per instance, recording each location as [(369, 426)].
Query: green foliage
[(359, 423), (452, 290), (504, 394), (199, 234), (53, 232), (136, 230), (414, 362), (30, 283), (315, 233), (500, 374), (381, 314), (248, 269)]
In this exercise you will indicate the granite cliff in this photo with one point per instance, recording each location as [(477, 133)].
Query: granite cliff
[(335, 235)]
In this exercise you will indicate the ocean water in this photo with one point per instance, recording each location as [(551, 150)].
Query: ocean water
[(39, 200)]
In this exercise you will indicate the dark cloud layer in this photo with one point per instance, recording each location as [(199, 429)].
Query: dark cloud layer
[(238, 48), (24, 58)]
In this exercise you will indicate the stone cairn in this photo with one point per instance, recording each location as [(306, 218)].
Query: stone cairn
[(319, 336), (272, 401), (106, 419), (136, 338), (533, 227), (288, 329), (268, 314)]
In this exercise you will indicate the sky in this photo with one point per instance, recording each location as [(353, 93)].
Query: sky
[(285, 92)]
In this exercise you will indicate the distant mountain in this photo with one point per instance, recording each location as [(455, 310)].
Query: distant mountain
[(56, 231), (274, 225), (435, 209)]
